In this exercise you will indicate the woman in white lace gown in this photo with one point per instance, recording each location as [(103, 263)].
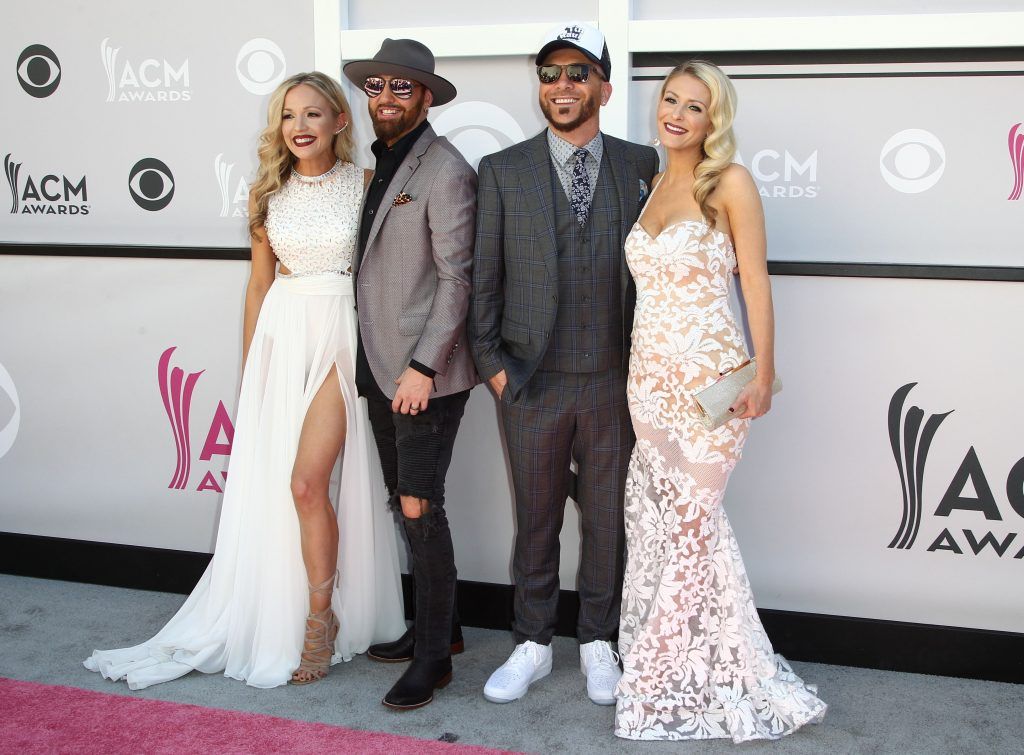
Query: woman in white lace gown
[(696, 661), (279, 533)]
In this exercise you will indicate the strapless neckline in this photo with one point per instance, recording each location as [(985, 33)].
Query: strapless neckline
[(692, 221)]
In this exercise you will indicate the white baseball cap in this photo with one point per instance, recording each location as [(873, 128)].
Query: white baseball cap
[(580, 36)]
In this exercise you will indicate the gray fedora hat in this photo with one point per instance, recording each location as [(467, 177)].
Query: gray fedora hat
[(407, 58)]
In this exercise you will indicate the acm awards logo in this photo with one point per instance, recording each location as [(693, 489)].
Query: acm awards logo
[(912, 161), (146, 80), (51, 194), (38, 70), (783, 175), (176, 389), (911, 433), (234, 199), (1015, 141), (151, 184)]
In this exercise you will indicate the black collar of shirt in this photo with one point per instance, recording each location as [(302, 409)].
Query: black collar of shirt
[(401, 148), (388, 160)]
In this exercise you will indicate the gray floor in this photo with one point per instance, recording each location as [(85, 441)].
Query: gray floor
[(47, 628)]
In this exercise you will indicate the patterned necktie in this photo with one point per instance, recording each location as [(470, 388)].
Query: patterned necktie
[(579, 192)]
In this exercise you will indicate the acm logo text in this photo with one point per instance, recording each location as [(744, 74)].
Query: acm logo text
[(911, 432), (176, 389), (144, 80), (49, 194), (783, 175)]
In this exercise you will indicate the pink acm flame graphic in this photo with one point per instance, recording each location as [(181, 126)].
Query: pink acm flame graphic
[(176, 391), (1016, 144)]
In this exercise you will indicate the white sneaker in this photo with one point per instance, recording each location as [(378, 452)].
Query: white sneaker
[(528, 663), (600, 664)]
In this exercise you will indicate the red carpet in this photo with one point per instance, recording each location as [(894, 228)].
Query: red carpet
[(44, 718)]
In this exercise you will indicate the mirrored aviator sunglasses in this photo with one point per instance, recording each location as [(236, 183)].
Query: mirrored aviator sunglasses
[(578, 72), (401, 88)]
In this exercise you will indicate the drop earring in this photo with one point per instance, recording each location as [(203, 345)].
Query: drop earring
[(656, 142)]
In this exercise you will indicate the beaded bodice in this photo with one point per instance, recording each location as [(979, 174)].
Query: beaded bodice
[(312, 221)]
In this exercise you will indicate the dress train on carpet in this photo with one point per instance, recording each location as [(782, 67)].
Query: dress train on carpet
[(246, 615)]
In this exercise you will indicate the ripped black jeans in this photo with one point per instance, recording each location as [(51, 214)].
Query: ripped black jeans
[(415, 453)]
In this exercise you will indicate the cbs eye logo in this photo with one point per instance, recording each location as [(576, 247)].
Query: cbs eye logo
[(151, 184), (912, 161), (260, 66), (38, 70), (478, 128)]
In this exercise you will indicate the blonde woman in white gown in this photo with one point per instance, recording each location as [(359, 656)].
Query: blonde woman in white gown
[(696, 661), (270, 609)]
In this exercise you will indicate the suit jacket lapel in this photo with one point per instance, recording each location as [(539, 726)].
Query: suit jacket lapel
[(627, 183), (535, 178), (398, 182)]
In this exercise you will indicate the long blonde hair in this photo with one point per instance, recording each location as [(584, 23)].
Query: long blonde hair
[(275, 158), (720, 145)]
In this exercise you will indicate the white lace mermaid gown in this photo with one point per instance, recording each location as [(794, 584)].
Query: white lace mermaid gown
[(246, 616), (696, 661)]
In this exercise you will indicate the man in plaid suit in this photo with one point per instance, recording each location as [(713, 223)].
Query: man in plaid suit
[(550, 317)]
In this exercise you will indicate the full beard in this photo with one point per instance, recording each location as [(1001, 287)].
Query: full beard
[(390, 130), (588, 107)]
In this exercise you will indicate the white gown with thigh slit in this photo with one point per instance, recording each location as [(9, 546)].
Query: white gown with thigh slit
[(246, 616)]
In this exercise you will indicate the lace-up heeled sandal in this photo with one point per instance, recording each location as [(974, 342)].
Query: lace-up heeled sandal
[(318, 646)]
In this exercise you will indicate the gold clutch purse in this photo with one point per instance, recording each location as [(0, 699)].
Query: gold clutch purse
[(714, 400)]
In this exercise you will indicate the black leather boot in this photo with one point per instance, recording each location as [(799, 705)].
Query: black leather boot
[(433, 561), (401, 650), (416, 686)]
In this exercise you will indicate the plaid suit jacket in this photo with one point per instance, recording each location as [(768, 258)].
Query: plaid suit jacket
[(515, 264), (413, 278)]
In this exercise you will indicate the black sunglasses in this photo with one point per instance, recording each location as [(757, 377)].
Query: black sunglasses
[(578, 72), (402, 88)]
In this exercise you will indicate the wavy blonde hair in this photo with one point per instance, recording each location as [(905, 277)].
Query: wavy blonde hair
[(719, 147), (275, 158)]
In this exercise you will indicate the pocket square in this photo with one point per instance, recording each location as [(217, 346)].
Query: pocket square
[(643, 191), (401, 198)]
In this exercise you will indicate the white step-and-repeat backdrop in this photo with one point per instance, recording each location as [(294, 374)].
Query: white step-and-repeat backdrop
[(887, 482)]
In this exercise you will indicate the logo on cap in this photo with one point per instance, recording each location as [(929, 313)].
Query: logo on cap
[(571, 32)]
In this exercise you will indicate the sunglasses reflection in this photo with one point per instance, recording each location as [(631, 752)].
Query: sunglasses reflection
[(374, 86), (577, 72)]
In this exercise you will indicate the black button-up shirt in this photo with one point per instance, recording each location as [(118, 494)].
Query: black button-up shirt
[(388, 160)]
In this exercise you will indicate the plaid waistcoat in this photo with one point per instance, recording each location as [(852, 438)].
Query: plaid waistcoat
[(587, 335)]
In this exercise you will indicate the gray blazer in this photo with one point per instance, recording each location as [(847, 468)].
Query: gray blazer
[(515, 268), (413, 278)]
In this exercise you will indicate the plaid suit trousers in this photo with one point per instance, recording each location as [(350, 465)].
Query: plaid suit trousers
[(557, 416)]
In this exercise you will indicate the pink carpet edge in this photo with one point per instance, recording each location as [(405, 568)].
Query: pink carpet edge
[(47, 718)]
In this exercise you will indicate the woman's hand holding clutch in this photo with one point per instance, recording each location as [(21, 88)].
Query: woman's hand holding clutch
[(754, 400)]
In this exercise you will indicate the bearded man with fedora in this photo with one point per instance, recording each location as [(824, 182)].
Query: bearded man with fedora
[(413, 266)]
